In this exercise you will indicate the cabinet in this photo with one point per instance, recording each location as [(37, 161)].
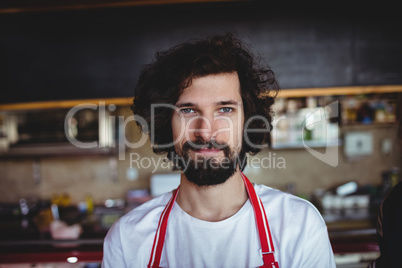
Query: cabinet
[(314, 118), (53, 128)]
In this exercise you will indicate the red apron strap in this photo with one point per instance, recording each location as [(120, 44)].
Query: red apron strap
[(159, 239), (264, 233), (267, 245)]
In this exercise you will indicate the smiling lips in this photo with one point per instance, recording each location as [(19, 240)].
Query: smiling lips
[(208, 151)]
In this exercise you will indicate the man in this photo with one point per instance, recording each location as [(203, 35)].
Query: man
[(389, 232), (210, 105)]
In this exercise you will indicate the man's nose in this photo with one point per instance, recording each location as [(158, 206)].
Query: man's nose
[(204, 128)]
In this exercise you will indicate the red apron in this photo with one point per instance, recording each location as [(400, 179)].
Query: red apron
[(264, 233)]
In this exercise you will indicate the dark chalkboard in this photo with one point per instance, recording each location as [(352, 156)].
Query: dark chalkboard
[(99, 53)]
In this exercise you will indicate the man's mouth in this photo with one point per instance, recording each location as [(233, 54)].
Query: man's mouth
[(207, 151)]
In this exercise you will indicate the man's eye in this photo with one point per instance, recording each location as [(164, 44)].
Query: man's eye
[(226, 110), (187, 110)]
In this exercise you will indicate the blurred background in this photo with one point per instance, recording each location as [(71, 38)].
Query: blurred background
[(68, 71)]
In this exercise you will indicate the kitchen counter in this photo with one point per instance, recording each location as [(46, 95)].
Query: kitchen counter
[(47, 251), (21, 241), (346, 238)]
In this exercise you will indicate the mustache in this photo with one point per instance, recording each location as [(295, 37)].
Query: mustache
[(200, 144)]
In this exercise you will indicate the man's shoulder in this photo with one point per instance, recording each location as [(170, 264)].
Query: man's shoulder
[(270, 194), (286, 204)]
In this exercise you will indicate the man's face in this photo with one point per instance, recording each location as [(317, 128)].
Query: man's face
[(208, 127)]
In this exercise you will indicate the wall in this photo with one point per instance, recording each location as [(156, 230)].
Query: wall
[(99, 53), (79, 176)]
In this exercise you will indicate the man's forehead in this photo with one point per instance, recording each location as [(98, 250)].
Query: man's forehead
[(214, 89)]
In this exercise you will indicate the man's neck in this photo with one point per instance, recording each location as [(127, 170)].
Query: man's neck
[(212, 203)]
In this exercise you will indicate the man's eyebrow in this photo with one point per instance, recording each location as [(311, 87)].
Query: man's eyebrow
[(228, 102), (219, 103), (185, 104)]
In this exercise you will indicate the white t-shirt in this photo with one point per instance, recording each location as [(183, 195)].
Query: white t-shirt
[(298, 231)]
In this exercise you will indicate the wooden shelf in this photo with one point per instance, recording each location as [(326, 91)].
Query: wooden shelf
[(358, 126), (284, 93), (328, 91), (63, 104)]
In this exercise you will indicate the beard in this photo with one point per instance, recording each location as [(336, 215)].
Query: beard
[(207, 171)]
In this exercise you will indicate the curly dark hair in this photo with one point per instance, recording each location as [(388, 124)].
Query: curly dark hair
[(163, 80)]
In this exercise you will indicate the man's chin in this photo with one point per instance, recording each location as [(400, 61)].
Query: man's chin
[(209, 172), (209, 175)]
